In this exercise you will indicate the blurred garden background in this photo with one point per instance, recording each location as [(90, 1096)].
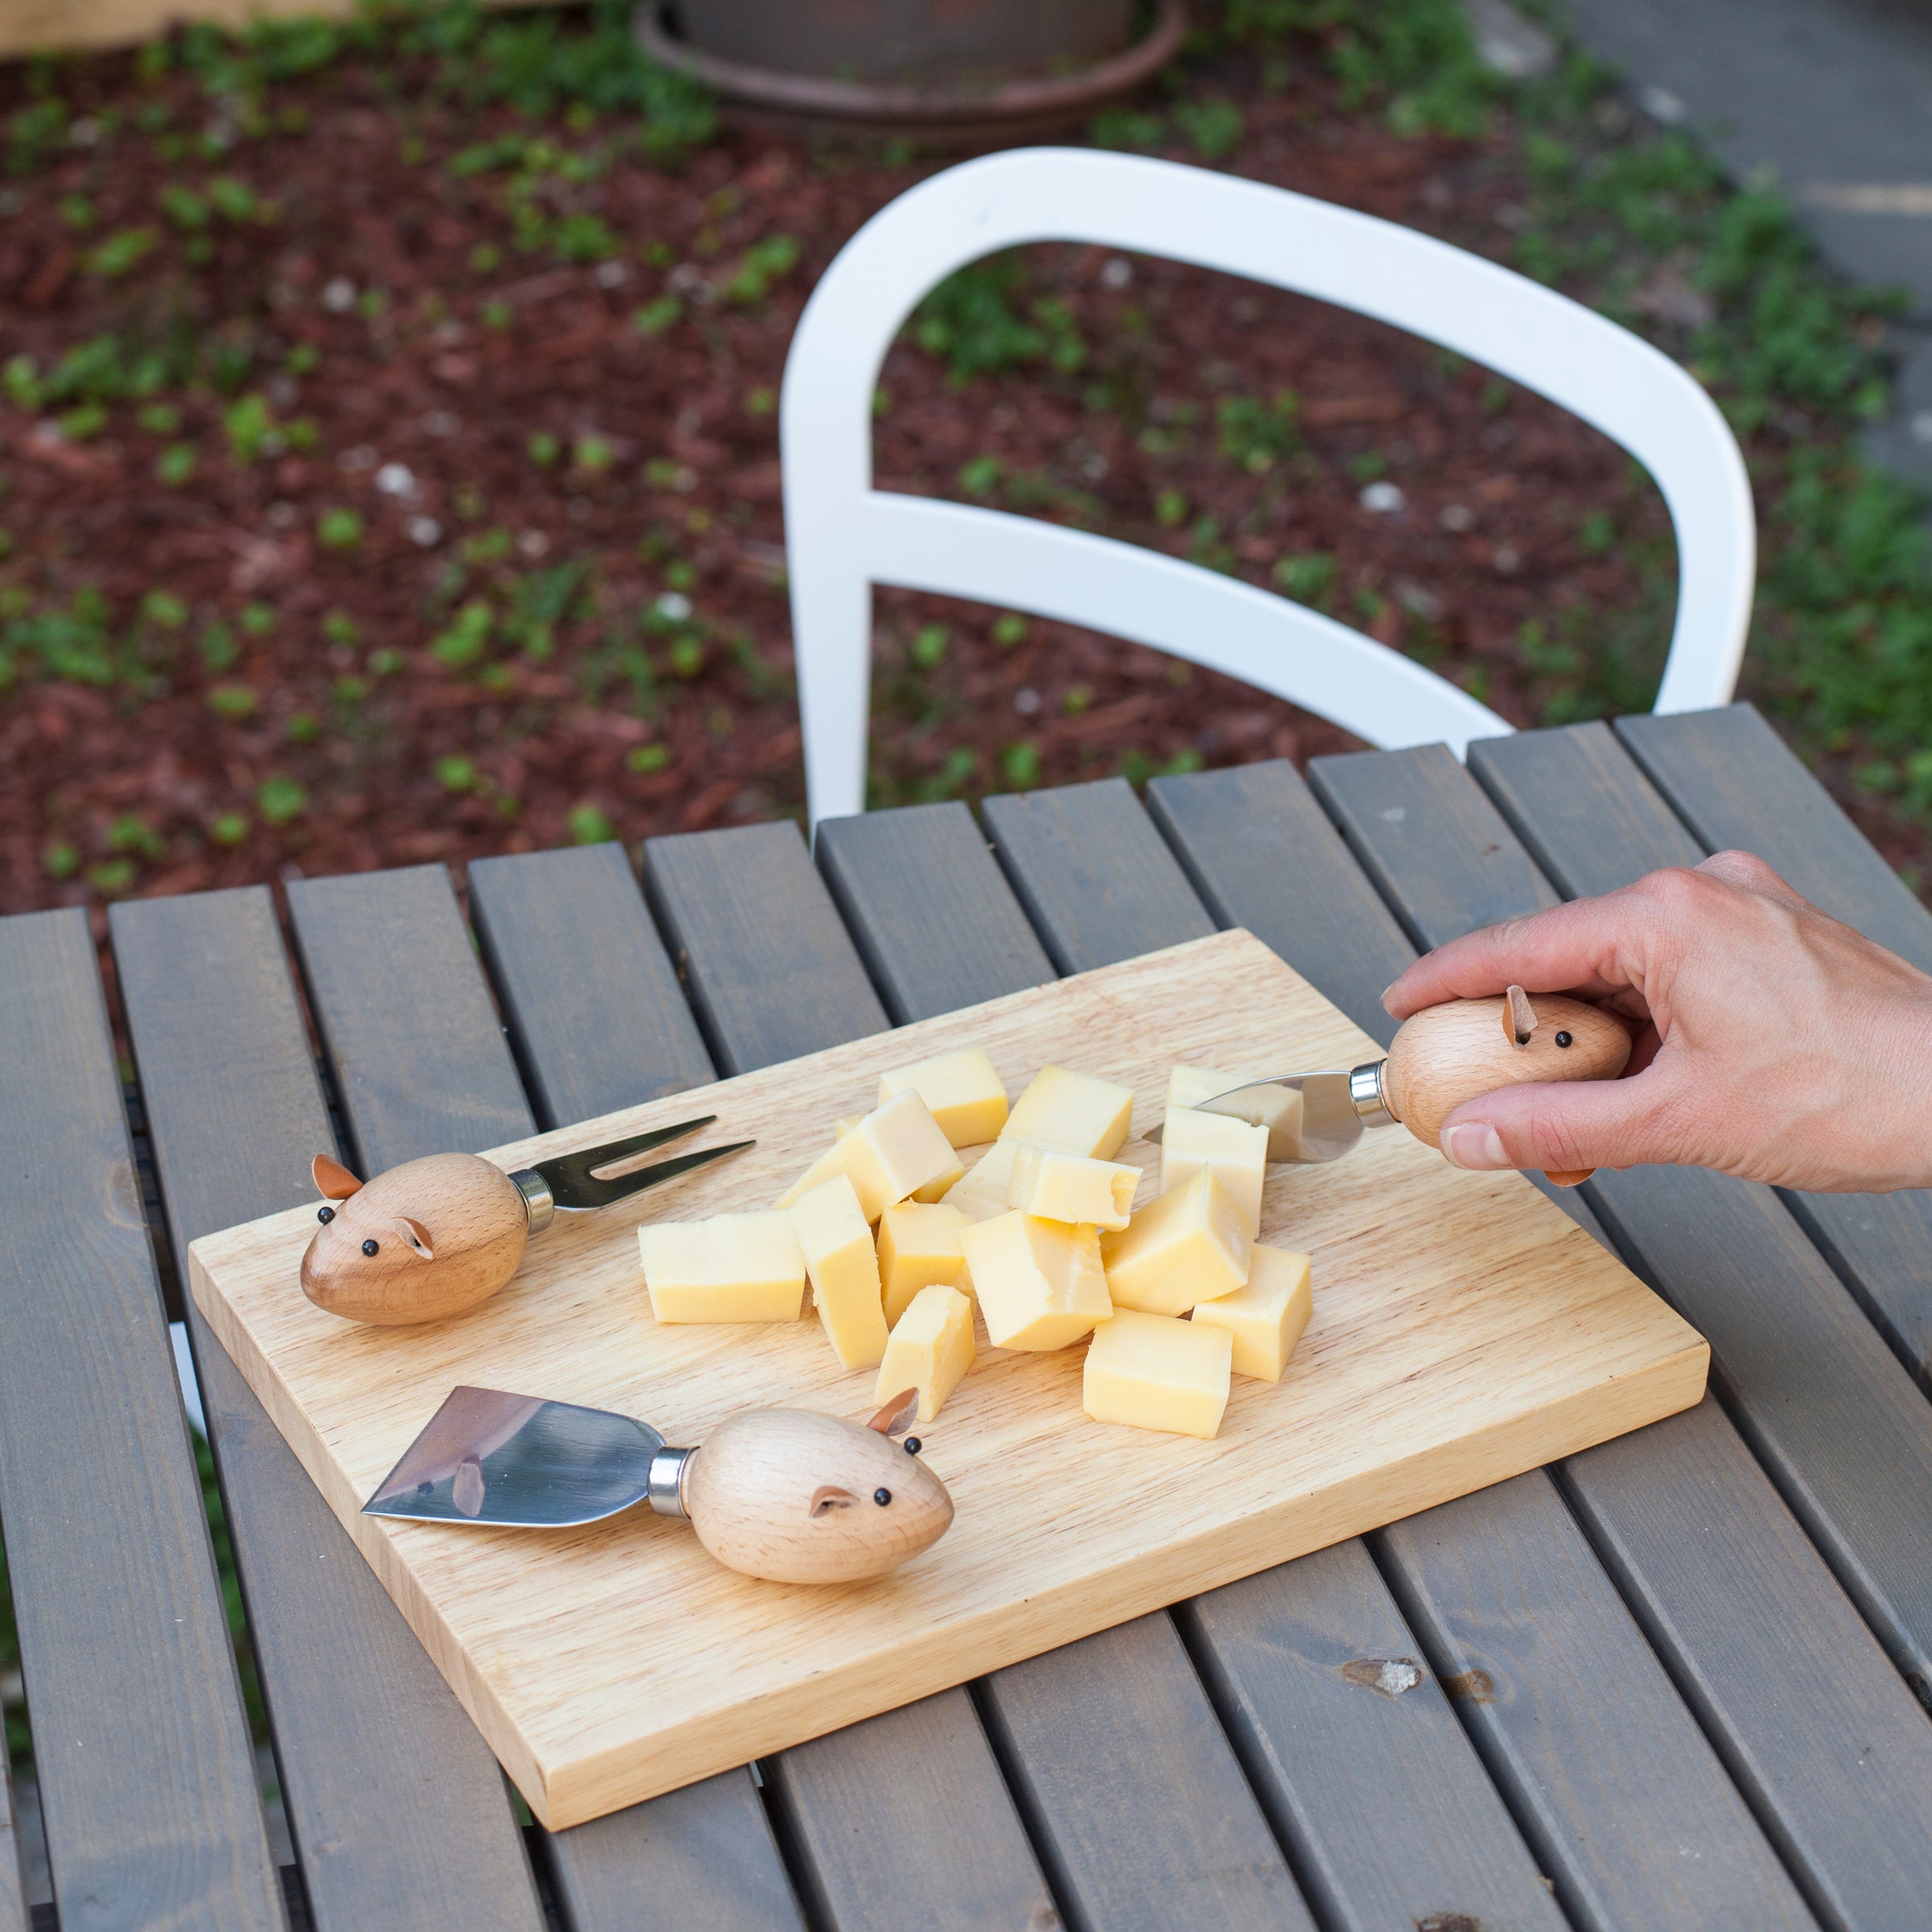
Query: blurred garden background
[(389, 469)]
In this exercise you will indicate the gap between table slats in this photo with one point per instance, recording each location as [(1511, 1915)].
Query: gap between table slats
[(424, 1068), (235, 1112), (1576, 1720), (146, 1772), (1791, 1685)]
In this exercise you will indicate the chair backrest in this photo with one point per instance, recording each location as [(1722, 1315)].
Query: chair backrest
[(842, 536)]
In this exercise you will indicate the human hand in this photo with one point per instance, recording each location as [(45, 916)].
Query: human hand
[(1769, 1041)]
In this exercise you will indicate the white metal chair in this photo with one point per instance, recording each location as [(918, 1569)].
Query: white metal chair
[(842, 536)]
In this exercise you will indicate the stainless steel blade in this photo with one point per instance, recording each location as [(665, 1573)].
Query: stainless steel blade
[(1311, 1118), (488, 1456)]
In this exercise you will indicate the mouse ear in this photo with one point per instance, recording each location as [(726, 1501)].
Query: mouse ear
[(898, 1414), (829, 1496), (333, 1181), (416, 1234)]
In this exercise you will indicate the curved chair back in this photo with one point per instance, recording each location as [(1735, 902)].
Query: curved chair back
[(842, 536)]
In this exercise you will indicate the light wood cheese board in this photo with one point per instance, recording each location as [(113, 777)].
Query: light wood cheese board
[(1464, 1330)]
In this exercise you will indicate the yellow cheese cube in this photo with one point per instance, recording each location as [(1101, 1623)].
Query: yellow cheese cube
[(1071, 1114), (918, 1246), (1280, 1108), (982, 1195), (1040, 1284), (1070, 1187), (1267, 1317), (1235, 1152), (894, 1150), (941, 1184), (930, 1348), (1152, 1371), (964, 1090), (732, 1268), (841, 1128), (1188, 1246), (844, 1271)]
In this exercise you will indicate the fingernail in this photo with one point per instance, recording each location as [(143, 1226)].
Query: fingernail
[(1475, 1144), (1388, 989)]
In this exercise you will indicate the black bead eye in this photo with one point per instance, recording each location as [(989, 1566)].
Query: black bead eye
[(881, 1497), (325, 1215), (426, 1488), (1562, 1039), (914, 1444), (369, 1247)]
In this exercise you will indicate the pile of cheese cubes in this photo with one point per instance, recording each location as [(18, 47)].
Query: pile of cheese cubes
[(898, 1240)]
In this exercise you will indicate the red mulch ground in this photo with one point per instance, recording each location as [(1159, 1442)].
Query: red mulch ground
[(369, 262)]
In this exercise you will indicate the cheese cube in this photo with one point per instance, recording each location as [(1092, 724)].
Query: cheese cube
[(1279, 1109), (964, 1090), (1152, 1371), (918, 1246), (941, 1184), (1071, 1114), (982, 1195), (1040, 1284), (930, 1349), (1267, 1317), (732, 1268), (1069, 1187), (1235, 1152), (841, 1128), (831, 1230), (1188, 1246), (894, 1150)]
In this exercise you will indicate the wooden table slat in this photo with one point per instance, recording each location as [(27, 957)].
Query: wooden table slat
[(1364, 1768), (897, 879), (570, 950), (1828, 1411), (1135, 1797), (1560, 789), (423, 1054), (1640, 1818), (746, 913), (418, 1052), (1593, 1838), (146, 1774), (1340, 1814), (358, 1706)]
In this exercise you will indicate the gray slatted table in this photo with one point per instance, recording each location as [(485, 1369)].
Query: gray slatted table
[(1671, 1683)]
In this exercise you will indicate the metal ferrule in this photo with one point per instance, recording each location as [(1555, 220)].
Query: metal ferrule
[(1366, 1091), (666, 1491), (539, 1203)]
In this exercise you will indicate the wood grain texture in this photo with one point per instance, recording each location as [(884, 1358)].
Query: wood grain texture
[(1835, 1754), (715, 894), (1367, 1774), (1261, 853), (156, 1822), (903, 1821), (902, 880), (595, 1013), (359, 1707), (1639, 1823), (416, 1048), (1646, 1732), (459, 1052), (1433, 1365), (1880, 1244), (1096, 879), (1237, 1879), (1825, 1406), (934, 1748)]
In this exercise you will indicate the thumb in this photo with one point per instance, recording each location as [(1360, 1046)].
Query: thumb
[(1561, 1126)]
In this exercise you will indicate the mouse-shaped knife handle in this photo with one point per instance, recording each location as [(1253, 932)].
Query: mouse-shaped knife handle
[(798, 1497), (1463, 1049)]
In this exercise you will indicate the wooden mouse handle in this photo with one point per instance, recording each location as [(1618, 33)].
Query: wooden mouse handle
[(1446, 1054), (800, 1498)]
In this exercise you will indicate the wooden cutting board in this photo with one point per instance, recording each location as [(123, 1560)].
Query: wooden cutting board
[(1464, 1330)]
